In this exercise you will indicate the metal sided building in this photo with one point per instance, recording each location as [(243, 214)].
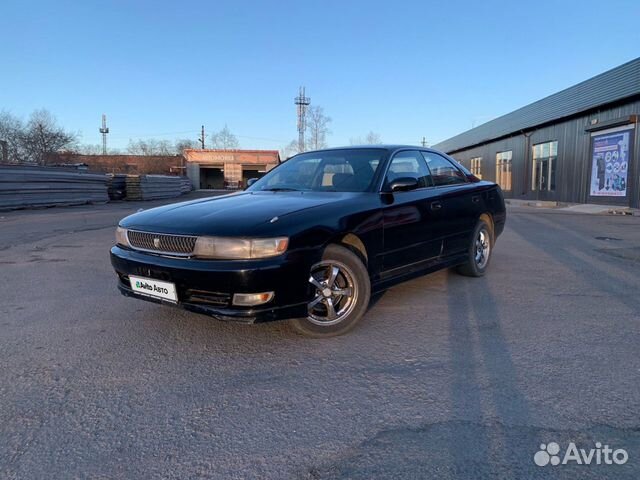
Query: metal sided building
[(580, 145)]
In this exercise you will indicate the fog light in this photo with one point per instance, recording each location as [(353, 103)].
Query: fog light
[(251, 299)]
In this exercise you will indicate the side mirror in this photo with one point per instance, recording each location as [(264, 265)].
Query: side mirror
[(403, 184), (251, 181)]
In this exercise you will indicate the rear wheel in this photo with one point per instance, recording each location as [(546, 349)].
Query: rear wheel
[(342, 290), (479, 250)]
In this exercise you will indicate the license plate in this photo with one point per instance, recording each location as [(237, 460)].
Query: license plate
[(154, 288)]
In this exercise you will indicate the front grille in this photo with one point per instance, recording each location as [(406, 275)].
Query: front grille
[(180, 245)]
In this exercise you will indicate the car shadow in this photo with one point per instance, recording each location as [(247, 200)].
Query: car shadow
[(485, 387)]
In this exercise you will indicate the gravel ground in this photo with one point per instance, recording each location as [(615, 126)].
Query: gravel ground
[(447, 376)]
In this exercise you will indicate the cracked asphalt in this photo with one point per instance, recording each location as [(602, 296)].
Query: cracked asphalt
[(446, 377)]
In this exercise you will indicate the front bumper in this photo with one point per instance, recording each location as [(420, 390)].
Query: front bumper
[(207, 286)]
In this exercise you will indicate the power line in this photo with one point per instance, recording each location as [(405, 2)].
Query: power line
[(151, 135), (277, 140)]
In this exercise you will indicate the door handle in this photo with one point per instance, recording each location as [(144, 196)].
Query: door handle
[(436, 205), (475, 199)]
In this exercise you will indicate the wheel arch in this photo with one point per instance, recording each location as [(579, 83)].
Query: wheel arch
[(353, 243), (488, 218)]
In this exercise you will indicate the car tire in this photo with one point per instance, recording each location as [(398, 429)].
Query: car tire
[(479, 253), (342, 290)]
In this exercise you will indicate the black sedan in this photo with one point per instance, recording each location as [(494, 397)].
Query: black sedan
[(314, 238)]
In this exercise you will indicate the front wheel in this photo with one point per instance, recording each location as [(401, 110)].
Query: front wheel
[(479, 251), (342, 291)]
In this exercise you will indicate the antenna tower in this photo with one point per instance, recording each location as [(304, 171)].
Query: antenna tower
[(104, 131), (302, 103)]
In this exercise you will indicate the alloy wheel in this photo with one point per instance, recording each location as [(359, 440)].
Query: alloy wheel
[(336, 293), (482, 248)]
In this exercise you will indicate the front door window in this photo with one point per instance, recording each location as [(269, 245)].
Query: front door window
[(408, 164)]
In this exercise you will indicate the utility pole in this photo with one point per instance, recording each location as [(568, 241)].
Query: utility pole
[(202, 136), (104, 131), (302, 102), (424, 141)]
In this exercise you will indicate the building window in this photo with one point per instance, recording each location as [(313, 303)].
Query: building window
[(503, 169), (476, 166), (545, 156)]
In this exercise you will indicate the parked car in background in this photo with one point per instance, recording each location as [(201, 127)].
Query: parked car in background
[(314, 238)]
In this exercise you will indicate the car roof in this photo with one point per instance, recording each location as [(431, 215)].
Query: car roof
[(388, 147)]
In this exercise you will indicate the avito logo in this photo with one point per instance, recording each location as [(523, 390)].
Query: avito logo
[(550, 454), (143, 285)]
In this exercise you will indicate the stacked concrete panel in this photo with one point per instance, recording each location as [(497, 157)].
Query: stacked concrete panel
[(153, 187), (33, 186), (117, 186), (186, 185)]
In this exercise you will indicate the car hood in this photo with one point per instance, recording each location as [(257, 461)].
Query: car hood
[(230, 215)]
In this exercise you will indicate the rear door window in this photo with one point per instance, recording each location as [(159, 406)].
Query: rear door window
[(443, 172)]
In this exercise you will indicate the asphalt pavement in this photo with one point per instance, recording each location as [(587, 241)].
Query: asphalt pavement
[(446, 377)]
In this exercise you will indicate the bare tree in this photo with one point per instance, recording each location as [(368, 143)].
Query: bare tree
[(89, 149), (43, 136), (151, 146), (165, 147), (182, 144), (139, 147), (373, 138), (12, 132), (33, 142), (94, 149), (289, 150), (370, 138), (317, 128), (225, 140)]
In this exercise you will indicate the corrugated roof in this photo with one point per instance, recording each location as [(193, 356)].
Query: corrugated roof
[(616, 84)]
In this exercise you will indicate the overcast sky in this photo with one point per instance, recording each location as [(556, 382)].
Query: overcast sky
[(404, 69)]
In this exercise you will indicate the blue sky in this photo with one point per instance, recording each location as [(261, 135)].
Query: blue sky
[(404, 69)]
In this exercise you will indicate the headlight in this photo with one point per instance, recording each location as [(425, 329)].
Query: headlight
[(239, 248), (121, 237)]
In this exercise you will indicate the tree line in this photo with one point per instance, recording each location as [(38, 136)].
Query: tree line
[(40, 136), (32, 141), (222, 139)]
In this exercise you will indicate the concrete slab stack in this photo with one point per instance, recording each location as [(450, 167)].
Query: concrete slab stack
[(153, 187), (33, 186)]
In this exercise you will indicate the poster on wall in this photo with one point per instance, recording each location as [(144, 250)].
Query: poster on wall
[(610, 157)]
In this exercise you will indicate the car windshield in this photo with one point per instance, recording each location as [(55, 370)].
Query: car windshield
[(325, 171)]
